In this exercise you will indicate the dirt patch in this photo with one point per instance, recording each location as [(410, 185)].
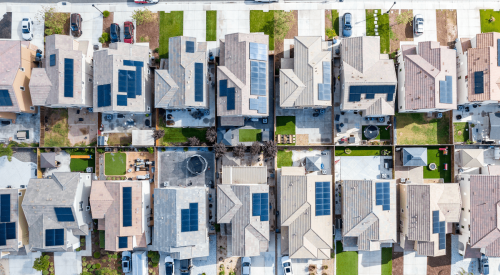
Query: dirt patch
[(399, 32), (446, 23), (106, 24), (150, 32), (398, 263), (56, 128), (279, 44), (119, 139), (301, 139), (328, 267), (441, 265), (6, 26), (223, 262), (328, 21)]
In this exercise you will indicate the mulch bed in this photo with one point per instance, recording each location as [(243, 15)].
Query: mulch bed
[(104, 260), (150, 32), (6, 26), (279, 44), (106, 24), (401, 32), (441, 265), (155, 269), (83, 243), (446, 23), (397, 263)]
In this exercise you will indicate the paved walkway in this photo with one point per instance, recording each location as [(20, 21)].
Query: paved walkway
[(369, 262), (414, 264), (68, 263)]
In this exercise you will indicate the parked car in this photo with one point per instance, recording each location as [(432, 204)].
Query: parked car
[(346, 25), (27, 31), (484, 267), (114, 33), (287, 265), (128, 32), (185, 266), (76, 24), (169, 265), (418, 24), (126, 262), (146, 1), (246, 262)]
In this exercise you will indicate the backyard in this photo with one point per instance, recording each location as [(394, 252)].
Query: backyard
[(362, 151), (434, 155), (211, 25), (488, 20), (250, 135), (418, 129), (80, 164), (115, 164), (57, 129), (347, 261), (285, 125), (284, 158), (386, 260), (180, 135), (460, 132), (382, 135), (383, 28), (171, 25), (261, 21)]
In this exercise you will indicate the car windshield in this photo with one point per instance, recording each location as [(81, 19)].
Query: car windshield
[(246, 264), (74, 28), (286, 264), (26, 30)]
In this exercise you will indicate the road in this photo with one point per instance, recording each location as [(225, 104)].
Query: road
[(110, 1)]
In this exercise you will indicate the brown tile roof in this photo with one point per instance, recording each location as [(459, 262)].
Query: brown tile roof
[(100, 199), (484, 58)]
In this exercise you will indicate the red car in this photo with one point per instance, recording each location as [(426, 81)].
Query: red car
[(146, 1), (128, 32)]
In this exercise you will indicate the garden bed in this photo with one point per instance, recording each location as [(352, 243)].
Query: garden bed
[(105, 261), (399, 32), (332, 20), (117, 139), (106, 24), (6, 26), (150, 32), (171, 25), (446, 24), (56, 25), (362, 151)]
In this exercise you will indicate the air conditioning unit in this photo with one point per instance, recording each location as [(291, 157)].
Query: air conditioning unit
[(165, 184), (403, 180), (24, 186), (87, 208), (32, 108), (149, 108), (323, 172)]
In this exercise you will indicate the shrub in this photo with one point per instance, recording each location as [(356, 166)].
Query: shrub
[(141, 16), (41, 263), (151, 150), (51, 264), (97, 266), (156, 50), (51, 269), (347, 151), (105, 14), (45, 272), (331, 33), (104, 37), (78, 249), (84, 259), (97, 255), (89, 265)]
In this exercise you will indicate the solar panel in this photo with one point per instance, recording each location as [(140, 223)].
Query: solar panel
[(260, 206), (128, 63), (10, 230), (478, 83), (5, 98), (189, 46), (322, 198), (435, 222), (324, 91), (257, 78), (122, 242), (127, 206), (355, 92), (54, 237), (354, 97), (5, 208), (198, 82), (383, 195), (68, 77), (327, 72), (131, 84), (121, 100), (138, 81), (369, 96), (445, 88), (442, 235), (262, 105), (231, 99), (189, 218), (223, 87), (254, 104), (52, 60), (104, 95), (129, 81), (64, 214), (258, 51), (3, 239)]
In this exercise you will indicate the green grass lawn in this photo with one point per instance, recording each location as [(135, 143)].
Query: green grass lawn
[(102, 239), (383, 29), (263, 22), (211, 25), (437, 157), (249, 135), (171, 24), (336, 21), (417, 129), (459, 133), (79, 165), (174, 135), (285, 125), (386, 260), (486, 25), (284, 158), (383, 133), (347, 261), (362, 151), (115, 164)]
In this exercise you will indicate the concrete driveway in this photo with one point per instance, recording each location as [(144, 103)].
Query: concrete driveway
[(69, 263), (414, 264), (265, 263), (369, 262), (430, 31), (24, 264)]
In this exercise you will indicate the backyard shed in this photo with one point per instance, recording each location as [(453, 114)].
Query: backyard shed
[(313, 163), (414, 156)]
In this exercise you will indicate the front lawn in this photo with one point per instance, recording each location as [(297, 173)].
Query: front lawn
[(285, 125), (417, 129), (263, 22), (434, 155), (460, 131), (347, 261), (362, 151), (211, 25), (382, 135), (250, 135), (179, 135), (171, 25), (115, 164), (386, 260), (284, 158), (80, 165), (486, 25), (384, 29)]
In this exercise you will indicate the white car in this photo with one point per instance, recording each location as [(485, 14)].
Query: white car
[(418, 24), (246, 262), (126, 262), (287, 265), (169, 265), (27, 31)]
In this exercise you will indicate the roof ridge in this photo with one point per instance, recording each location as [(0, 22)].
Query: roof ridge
[(296, 214)]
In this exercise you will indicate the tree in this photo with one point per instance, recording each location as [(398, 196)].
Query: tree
[(155, 257), (141, 16), (194, 141), (220, 149), (211, 134), (270, 149), (255, 149), (404, 17), (158, 134), (282, 23), (239, 151), (41, 263)]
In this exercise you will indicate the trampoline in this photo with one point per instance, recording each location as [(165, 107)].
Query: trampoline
[(371, 132), (196, 164)]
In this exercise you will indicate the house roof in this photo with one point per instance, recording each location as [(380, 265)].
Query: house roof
[(16, 217), (175, 88), (472, 157), (414, 156), (494, 125), (168, 236), (425, 72), (302, 86), (313, 163), (225, 136), (304, 234), (47, 160), (244, 174)]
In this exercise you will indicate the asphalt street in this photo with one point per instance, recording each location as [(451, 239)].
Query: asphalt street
[(110, 1)]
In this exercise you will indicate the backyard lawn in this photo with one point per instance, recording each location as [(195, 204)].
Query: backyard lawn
[(347, 261), (179, 135), (80, 165), (459, 132), (417, 129), (285, 125), (57, 136), (171, 24), (386, 260), (382, 135), (284, 158), (437, 157), (115, 164), (486, 25), (249, 135), (211, 25), (383, 29), (263, 22), (362, 151)]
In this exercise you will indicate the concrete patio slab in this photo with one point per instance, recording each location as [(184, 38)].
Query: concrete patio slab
[(369, 262), (16, 173), (364, 168), (67, 263), (414, 264)]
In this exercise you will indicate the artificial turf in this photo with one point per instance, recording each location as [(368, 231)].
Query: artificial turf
[(362, 151), (382, 135), (249, 135), (486, 25), (179, 135), (284, 158), (80, 165), (171, 25), (346, 261), (285, 125), (211, 25), (434, 155), (459, 132), (386, 260), (115, 164), (384, 29), (261, 21)]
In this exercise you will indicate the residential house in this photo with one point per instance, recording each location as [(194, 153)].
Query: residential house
[(414, 156), (57, 211), (66, 80), (428, 213), (243, 78), (183, 85), (427, 75), (306, 215), (13, 222), (367, 77), (123, 211), (180, 227), (16, 66), (122, 82), (306, 79), (243, 210), (369, 214), (478, 70)]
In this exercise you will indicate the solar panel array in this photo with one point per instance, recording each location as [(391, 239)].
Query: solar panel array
[(121, 100), (127, 206), (259, 104), (258, 51), (325, 88), (383, 195), (257, 78), (198, 82), (5, 98), (131, 81), (64, 214), (445, 88), (189, 46), (478, 83), (439, 228), (231, 99), (104, 95), (223, 87), (54, 237), (435, 222), (5, 208), (260, 206), (7, 232), (68, 77), (323, 199), (355, 92), (189, 218), (52, 60), (122, 242)]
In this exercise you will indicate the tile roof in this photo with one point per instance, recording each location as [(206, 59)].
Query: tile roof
[(47, 160), (414, 156)]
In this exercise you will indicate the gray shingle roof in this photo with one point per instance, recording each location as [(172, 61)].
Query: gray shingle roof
[(414, 156)]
